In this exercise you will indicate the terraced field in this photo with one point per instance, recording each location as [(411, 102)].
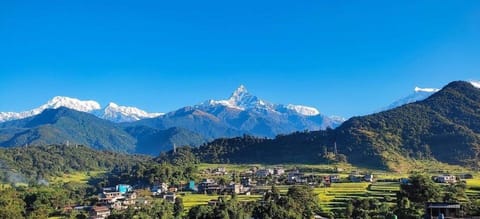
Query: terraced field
[(473, 188), (190, 200), (336, 196)]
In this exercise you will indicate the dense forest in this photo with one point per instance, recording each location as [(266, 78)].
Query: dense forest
[(30, 164)]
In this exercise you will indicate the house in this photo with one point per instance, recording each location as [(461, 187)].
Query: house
[(326, 181), (278, 171), (445, 179), (264, 172), (439, 209), (170, 197), (108, 197), (368, 177), (129, 199), (117, 205), (123, 188), (295, 177), (220, 171), (246, 181), (334, 178), (173, 189), (208, 186), (234, 188), (159, 189), (191, 186), (99, 212)]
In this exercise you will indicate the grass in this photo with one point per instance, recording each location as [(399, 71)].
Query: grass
[(76, 177), (336, 196), (190, 199), (4, 186)]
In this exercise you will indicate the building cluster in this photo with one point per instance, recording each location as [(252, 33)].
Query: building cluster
[(119, 197), (253, 181)]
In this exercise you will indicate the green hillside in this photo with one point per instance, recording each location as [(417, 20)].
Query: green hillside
[(444, 127)]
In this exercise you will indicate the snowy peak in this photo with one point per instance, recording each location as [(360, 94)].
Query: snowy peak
[(240, 91), (112, 112), (54, 103), (72, 103), (116, 113), (241, 99), (303, 110)]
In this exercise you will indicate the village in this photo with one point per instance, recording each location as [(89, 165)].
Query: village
[(253, 182)]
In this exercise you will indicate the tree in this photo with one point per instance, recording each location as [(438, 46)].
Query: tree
[(178, 207), (413, 196), (11, 206), (420, 189)]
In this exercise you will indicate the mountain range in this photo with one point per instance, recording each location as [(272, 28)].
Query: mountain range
[(243, 113), (129, 129), (443, 127), (112, 111)]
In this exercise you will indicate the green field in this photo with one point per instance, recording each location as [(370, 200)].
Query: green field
[(76, 177), (190, 200), (4, 186)]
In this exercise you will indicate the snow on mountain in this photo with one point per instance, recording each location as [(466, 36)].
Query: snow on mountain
[(303, 110), (475, 83), (56, 102), (112, 112), (417, 95), (116, 113), (241, 99), (296, 115)]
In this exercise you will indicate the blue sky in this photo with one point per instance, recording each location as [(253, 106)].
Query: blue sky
[(343, 57)]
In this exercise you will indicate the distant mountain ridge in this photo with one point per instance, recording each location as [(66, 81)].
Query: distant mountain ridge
[(418, 95), (67, 126), (64, 125), (129, 129), (243, 113)]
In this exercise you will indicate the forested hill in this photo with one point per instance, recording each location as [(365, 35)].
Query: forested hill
[(445, 127), (23, 164)]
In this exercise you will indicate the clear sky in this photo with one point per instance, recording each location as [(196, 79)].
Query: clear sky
[(343, 57)]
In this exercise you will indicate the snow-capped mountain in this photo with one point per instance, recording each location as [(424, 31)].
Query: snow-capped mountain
[(56, 102), (112, 112), (241, 99), (417, 95), (243, 113), (116, 113)]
